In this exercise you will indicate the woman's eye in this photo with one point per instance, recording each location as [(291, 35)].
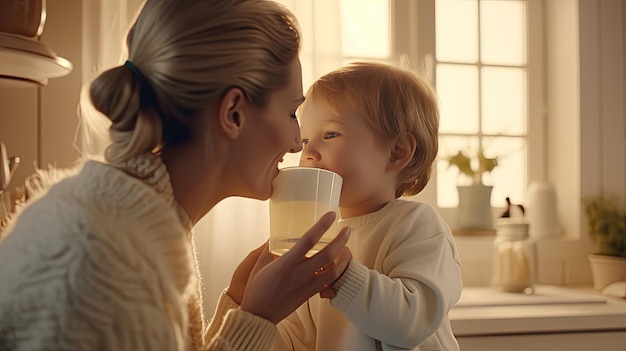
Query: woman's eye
[(330, 135), (294, 116)]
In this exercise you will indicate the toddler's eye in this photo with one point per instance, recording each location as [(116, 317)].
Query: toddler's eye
[(305, 141), (330, 135)]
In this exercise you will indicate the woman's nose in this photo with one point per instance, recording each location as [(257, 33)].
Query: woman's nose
[(297, 146)]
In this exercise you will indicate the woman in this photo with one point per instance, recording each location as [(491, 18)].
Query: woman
[(203, 109)]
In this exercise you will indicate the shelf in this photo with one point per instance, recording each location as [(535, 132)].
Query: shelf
[(544, 295), (473, 232), (27, 62)]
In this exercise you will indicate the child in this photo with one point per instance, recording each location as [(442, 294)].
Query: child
[(376, 125)]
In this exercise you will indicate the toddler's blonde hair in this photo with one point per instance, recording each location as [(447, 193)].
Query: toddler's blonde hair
[(395, 101)]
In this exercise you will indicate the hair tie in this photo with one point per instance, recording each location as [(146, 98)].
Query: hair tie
[(174, 130), (147, 97), (135, 71), (146, 94)]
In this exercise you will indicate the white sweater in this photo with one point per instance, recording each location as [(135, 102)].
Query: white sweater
[(396, 293), (104, 261)]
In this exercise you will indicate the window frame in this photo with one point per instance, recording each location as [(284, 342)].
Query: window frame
[(418, 43)]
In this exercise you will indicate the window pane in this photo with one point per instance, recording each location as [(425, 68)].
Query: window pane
[(503, 32), (457, 87), (365, 28), (456, 28), (503, 100), (509, 177)]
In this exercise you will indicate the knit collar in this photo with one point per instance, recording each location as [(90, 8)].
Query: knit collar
[(150, 169), (370, 218)]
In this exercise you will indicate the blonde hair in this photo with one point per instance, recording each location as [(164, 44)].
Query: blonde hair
[(395, 102), (190, 52)]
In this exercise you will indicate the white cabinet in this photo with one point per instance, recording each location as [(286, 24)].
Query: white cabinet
[(574, 341), (554, 318)]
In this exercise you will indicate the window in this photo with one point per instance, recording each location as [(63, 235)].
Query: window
[(484, 57), (477, 54), (481, 70)]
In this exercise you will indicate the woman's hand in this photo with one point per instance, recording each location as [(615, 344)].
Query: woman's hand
[(242, 273), (275, 288)]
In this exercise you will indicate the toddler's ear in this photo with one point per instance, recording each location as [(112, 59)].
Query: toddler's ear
[(401, 152)]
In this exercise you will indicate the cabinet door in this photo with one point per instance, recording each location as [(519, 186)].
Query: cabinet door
[(605, 341)]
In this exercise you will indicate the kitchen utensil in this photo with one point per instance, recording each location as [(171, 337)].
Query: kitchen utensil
[(5, 173)]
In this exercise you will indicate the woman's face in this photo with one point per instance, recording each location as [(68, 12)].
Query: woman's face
[(272, 132)]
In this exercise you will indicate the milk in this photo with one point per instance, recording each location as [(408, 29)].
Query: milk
[(289, 220), (300, 196)]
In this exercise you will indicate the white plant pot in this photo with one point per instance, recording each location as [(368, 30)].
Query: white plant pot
[(606, 270), (474, 211)]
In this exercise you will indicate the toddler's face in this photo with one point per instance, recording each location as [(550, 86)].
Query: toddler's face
[(346, 145)]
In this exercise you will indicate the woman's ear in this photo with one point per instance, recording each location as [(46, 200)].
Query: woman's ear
[(230, 114), (402, 150)]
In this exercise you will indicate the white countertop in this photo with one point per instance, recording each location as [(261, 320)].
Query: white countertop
[(551, 309)]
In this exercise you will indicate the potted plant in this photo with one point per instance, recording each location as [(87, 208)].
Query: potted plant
[(474, 210), (606, 224)]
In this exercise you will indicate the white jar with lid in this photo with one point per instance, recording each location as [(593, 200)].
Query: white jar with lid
[(514, 256), (542, 210)]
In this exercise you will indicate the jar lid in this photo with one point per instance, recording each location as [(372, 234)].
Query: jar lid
[(511, 228)]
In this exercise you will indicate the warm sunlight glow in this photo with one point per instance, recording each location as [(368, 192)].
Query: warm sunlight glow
[(457, 30), (457, 87), (503, 32), (365, 28), (503, 100)]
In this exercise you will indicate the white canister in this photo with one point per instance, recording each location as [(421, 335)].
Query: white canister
[(542, 210)]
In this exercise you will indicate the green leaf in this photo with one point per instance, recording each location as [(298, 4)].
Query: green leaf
[(461, 162), (486, 164)]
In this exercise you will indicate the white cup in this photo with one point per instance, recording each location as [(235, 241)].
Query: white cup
[(301, 195)]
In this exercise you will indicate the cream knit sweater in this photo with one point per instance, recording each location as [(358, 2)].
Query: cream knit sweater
[(396, 293), (104, 261)]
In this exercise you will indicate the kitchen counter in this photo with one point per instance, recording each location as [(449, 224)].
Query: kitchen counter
[(579, 318)]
